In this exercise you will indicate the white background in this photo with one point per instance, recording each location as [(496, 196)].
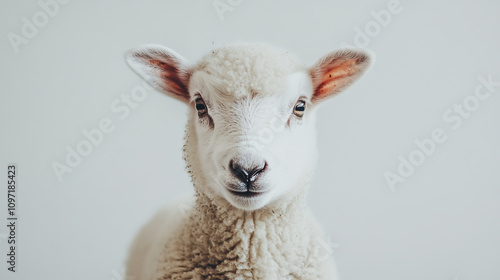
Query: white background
[(443, 222)]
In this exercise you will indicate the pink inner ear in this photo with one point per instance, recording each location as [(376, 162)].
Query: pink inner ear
[(170, 77), (335, 78)]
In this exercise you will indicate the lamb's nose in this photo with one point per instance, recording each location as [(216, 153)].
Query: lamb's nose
[(246, 175)]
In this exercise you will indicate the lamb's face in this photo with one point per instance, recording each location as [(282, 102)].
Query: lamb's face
[(253, 108), (254, 147)]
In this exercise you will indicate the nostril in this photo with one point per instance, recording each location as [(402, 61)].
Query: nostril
[(238, 171), (256, 172), (246, 175)]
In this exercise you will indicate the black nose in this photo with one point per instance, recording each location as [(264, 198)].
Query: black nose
[(246, 175)]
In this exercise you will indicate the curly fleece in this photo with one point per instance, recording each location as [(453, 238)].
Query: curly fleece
[(243, 68)]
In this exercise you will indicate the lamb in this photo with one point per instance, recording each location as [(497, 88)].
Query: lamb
[(250, 151)]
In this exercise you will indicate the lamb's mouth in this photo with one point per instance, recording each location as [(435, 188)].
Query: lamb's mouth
[(247, 193)]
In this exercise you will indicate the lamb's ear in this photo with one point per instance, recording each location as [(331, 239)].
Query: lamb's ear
[(162, 68), (337, 70)]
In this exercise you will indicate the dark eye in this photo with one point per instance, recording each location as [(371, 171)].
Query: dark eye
[(299, 108), (201, 107)]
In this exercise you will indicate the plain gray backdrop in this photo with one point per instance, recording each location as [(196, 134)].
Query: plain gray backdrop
[(442, 222)]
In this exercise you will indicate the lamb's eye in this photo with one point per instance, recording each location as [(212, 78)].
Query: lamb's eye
[(299, 108), (201, 107)]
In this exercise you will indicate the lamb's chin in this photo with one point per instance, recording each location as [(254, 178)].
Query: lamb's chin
[(246, 200)]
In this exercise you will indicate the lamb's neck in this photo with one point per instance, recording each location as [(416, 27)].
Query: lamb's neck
[(212, 218), (280, 239)]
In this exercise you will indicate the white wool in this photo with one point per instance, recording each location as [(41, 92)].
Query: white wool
[(254, 68)]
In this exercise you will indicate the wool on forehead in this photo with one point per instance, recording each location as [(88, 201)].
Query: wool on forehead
[(246, 69)]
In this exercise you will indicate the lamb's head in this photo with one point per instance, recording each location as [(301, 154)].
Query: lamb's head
[(252, 111)]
